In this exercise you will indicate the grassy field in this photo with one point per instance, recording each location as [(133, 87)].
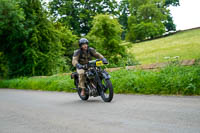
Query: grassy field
[(185, 44)]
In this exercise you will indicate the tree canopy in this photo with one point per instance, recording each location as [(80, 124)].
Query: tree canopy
[(149, 19), (78, 14), (30, 42), (105, 36)]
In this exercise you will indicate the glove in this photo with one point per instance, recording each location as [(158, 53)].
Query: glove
[(104, 61), (79, 66)]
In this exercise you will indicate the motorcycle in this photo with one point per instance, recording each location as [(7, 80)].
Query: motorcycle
[(97, 81)]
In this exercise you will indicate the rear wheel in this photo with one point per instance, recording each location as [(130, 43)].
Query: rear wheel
[(107, 91), (84, 98)]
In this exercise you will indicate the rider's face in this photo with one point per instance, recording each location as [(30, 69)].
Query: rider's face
[(84, 46)]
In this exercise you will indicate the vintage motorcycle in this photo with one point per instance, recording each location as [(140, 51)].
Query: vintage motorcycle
[(97, 81)]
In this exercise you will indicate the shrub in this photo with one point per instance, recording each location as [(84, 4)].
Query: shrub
[(105, 36)]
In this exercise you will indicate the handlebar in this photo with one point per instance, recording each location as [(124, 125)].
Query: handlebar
[(92, 63)]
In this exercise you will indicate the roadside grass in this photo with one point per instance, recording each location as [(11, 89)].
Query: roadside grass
[(171, 80), (49, 83), (175, 80), (184, 44)]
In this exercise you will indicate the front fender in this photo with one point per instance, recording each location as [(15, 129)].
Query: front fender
[(106, 75)]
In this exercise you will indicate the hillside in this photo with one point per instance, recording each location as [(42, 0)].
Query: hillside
[(184, 44)]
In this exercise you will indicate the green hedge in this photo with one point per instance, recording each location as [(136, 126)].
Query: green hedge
[(178, 80)]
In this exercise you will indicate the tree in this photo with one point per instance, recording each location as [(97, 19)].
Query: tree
[(69, 42), (3, 66), (172, 3), (44, 51), (105, 36), (78, 14), (12, 33), (169, 24), (123, 16), (11, 27), (146, 19), (30, 42)]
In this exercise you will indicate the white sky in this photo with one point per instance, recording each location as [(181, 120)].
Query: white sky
[(187, 15)]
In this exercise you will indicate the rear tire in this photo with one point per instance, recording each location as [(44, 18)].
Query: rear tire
[(107, 91), (84, 98)]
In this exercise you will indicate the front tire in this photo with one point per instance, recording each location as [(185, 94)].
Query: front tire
[(107, 91)]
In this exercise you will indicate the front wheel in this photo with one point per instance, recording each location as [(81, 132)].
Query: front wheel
[(107, 91)]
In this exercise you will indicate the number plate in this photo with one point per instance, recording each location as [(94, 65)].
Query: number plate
[(99, 63)]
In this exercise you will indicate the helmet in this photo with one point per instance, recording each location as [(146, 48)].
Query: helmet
[(83, 41)]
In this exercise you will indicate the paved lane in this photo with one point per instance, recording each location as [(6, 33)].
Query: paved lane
[(23, 111)]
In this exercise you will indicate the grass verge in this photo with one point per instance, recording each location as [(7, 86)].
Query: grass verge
[(171, 80)]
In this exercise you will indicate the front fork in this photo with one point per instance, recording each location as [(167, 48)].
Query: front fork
[(99, 82)]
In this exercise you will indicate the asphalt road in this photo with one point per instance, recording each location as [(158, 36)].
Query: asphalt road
[(23, 111)]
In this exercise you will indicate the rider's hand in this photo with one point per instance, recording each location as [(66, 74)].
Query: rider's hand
[(104, 61), (79, 66)]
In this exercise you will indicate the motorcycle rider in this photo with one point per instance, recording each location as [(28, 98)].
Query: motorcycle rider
[(81, 57)]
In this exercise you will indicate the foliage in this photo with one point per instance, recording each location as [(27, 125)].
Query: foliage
[(30, 42), (172, 3), (12, 33), (123, 16), (3, 66), (144, 31), (78, 14), (173, 80), (169, 24), (146, 19), (105, 36), (69, 42), (45, 52), (149, 19)]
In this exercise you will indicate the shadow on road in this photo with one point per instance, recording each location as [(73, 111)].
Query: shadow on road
[(80, 102)]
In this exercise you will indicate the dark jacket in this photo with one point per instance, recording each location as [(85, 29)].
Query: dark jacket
[(83, 57)]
